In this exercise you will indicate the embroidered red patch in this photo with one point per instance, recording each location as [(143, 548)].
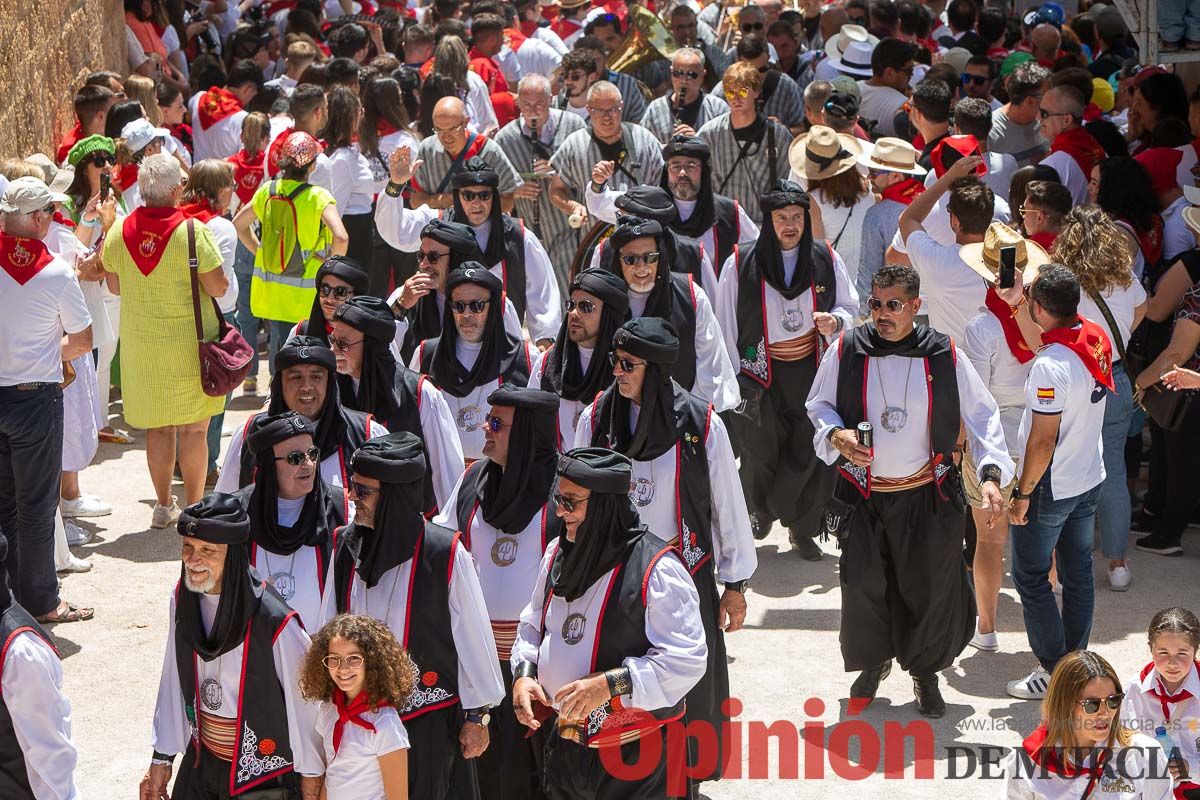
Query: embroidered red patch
[(266, 747), (429, 678), (615, 704)]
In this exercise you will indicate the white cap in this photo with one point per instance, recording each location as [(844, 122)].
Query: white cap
[(139, 133), (27, 195)]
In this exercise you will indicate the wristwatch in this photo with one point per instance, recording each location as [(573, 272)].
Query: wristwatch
[(479, 716), (833, 432), (990, 472), (737, 586), (394, 189), (1017, 494)]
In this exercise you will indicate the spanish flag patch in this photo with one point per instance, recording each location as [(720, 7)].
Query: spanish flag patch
[(1045, 393)]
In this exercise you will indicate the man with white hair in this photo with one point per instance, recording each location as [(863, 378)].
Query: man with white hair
[(529, 141), (42, 302), (687, 106)]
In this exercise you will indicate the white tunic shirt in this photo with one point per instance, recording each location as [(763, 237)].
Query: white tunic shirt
[(220, 140), (1004, 376), (1131, 777), (1143, 711), (569, 411), (297, 577), (1070, 173), (352, 773)]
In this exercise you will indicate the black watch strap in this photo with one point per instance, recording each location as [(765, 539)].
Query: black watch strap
[(394, 189), (990, 472), (619, 682), (737, 586), (158, 757), (526, 669)]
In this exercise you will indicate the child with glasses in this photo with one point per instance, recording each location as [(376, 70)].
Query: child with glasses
[(359, 673)]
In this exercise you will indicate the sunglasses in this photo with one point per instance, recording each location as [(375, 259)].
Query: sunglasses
[(893, 306), (494, 424), (584, 306), (1026, 211), (298, 457), (474, 306), (576, 76), (1092, 704), (103, 159), (691, 75), (336, 292), (1044, 114), (335, 662), (738, 93), (360, 491), (978, 80), (750, 27), (342, 344), (627, 365), (567, 503), (430, 256), (650, 259), (470, 196)]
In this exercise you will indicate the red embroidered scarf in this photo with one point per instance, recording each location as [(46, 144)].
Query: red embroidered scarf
[(201, 210), (1091, 344), (215, 105), (1081, 146), (248, 173), (146, 233), (904, 192), (22, 259), (1008, 324)]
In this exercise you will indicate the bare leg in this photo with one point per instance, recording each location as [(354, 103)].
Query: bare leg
[(193, 459), (988, 570), (70, 485), (160, 458)]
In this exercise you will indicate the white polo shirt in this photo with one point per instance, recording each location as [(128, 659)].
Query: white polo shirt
[(953, 291), (34, 319)]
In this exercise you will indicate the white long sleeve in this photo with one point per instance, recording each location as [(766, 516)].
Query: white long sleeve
[(41, 717), (290, 647), (479, 681), (733, 540), (725, 307), (716, 380), (528, 643), (543, 303), (171, 731), (401, 227), (678, 653), (602, 205), (981, 419), (441, 442), (845, 306)]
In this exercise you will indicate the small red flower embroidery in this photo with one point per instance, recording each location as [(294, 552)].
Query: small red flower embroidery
[(429, 678), (266, 747)]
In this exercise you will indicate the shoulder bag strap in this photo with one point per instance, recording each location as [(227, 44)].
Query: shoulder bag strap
[(193, 270), (772, 154), (1112, 325)]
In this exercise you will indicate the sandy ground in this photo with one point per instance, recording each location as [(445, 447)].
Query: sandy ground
[(785, 666)]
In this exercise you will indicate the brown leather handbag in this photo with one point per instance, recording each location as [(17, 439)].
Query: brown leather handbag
[(225, 362)]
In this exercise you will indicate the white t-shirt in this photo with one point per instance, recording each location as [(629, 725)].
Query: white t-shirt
[(1070, 173), (537, 57), (1122, 303), (1059, 383), (226, 236), (35, 317), (221, 139), (953, 292), (353, 773), (880, 103), (352, 182), (1177, 236)]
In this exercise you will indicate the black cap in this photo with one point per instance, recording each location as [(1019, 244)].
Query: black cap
[(217, 519), (304, 350), (649, 202), (455, 235), (370, 315), (609, 287), (651, 338), (347, 269), (630, 228), (474, 272), (692, 146), (476, 172), (508, 394), (271, 430), (396, 458), (597, 468), (784, 193)]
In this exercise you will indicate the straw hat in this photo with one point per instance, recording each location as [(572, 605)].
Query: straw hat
[(838, 43), (823, 153), (893, 155), (1191, 216), (984, 257), (855, 60)]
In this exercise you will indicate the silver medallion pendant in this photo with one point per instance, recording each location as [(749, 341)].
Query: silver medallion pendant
[(893, 419), (573, 627), (470, 418), (504, 551), (642, 492), (210, 694), (792, 319), (285, 584)]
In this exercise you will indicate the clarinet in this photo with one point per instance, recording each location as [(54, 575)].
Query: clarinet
[(676, 109), (537, 201)]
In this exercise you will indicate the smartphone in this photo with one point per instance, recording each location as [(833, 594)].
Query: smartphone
[(1008, 267), (105, 185)]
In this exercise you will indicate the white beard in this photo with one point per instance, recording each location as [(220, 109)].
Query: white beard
[(199, 588)]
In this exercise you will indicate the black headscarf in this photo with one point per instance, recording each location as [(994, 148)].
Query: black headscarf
[(512, 495), (922, 342), (649, 202), (425, 318), (6, 598), (397, 461), (346, 269), (563, 374), (610, 528), (376, 393), (322, 513), (658, 304), (219, 519), (659, 423), (704, 215), (314, 351), (497, 349), (767, 256), (477, 172)]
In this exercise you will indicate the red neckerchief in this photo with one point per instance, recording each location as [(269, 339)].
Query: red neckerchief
[(273, 151), (66, 222), (349, 713), (425, 69), (486, 69), (73, 136), (125, 176), (1008, 323), (201, 210), (216, 105), (515, 38), (1048, 759), (1160, 693), (1081, 146), (1151, 241), (384, 128), (1092, 112), (146, 233), (248, 173), (997, 53), (1044, 238), (1091, 344), (566, 27), (904, 192), (529, 28), (21, 258)]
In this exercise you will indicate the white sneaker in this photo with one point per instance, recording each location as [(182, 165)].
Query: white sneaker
[(166, 516), (85, 506), (986, 642), (1119, 579), (75, 564), (75, 534), (1031, 687), (226, 431), (1058, 589)]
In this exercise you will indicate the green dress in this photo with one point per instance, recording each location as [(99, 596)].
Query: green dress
[(160, 365)]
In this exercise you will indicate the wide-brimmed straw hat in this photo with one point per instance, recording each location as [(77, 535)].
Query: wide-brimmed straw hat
[(856, 60), (893, 155), (823, 153), (1191, 216), (984, 257), (838, 43)]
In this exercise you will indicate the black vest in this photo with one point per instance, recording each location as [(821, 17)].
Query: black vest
[(263, 750), (14, 775), (622, 633), (512, 265), (408, 418), (467, 506), (727, 230), (518, 373)]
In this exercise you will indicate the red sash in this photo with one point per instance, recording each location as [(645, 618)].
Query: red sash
[(1081, 146), (247, 173), (904, 192), (125, 176), (216, 105), (201, 210), (1091, 344), (1008, 323), (22, 259), (146, 233)]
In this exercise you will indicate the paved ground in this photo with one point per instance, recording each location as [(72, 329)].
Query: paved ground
[(786, 668)]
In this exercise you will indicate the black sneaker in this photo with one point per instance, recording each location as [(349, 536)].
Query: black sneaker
[(1143, 522), (757, 527), (806, 546), (929, 697), (867, 683), (1160, 544)]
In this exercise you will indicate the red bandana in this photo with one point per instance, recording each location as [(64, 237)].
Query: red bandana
[(22, 259), (1091, 344), (349, 713), (566, 27), (247, 173), (1044, 238), (66, 222), (1160, 693), (384, 128), (216, 105), (904, 192), (201, 210), (1051, 760), (516, 38), (1081, 146), (273, 152), (146, 233), (125, 176), (1008, 324), (1151, 241)]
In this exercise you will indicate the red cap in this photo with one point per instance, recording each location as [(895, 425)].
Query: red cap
[(301, 148), (949, 150), (1160, 163)]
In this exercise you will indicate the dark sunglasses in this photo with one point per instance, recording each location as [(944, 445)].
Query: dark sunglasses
[(691, 75), (494, 424), (336, 292), (894, 306), (342, 344), (978, 80), (298, 457), (1091, 705), (567, 503), (649, 258), (103, 159), (584, 306), (627, 365), (858, 21), (750, 27), (474, 306), (430, 256), (470, 196), (360, 491)]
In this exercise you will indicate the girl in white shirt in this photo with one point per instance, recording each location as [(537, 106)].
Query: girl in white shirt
[(358, 672), (351, 181)]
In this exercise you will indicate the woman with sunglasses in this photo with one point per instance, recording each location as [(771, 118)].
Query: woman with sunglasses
[(1081, 749)]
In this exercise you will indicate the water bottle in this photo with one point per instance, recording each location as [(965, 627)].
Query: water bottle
[(1169, 747)]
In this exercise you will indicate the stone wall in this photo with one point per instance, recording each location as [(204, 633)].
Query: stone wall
[(46, 49)]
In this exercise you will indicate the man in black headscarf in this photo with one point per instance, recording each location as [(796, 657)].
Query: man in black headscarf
[(608, 594), (510, 250), (502, 507), (780, 302), (685, 493), (576, 368), (231, 638), (293, 513), (37, 756), (304, 382), (371, 381), (642, 257), (418, 579), (338, 279), (474, 354)]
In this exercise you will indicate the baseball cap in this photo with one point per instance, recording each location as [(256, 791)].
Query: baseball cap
[(846, 84), (139, 133), (27, 195)]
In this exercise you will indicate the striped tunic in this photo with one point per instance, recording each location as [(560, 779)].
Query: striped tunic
[(578, 154), (786, 104), (429, 175), (559, 238), (631, 94), (750, 177), (658, 114)]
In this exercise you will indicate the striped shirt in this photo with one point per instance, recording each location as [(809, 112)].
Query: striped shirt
[(786, 103), (659, 114), (746, 179), (551, 227), (429, 176), (631, 94), (579, 153)]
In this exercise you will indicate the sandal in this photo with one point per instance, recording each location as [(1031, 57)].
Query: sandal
[(115, 437), (67, 612)]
